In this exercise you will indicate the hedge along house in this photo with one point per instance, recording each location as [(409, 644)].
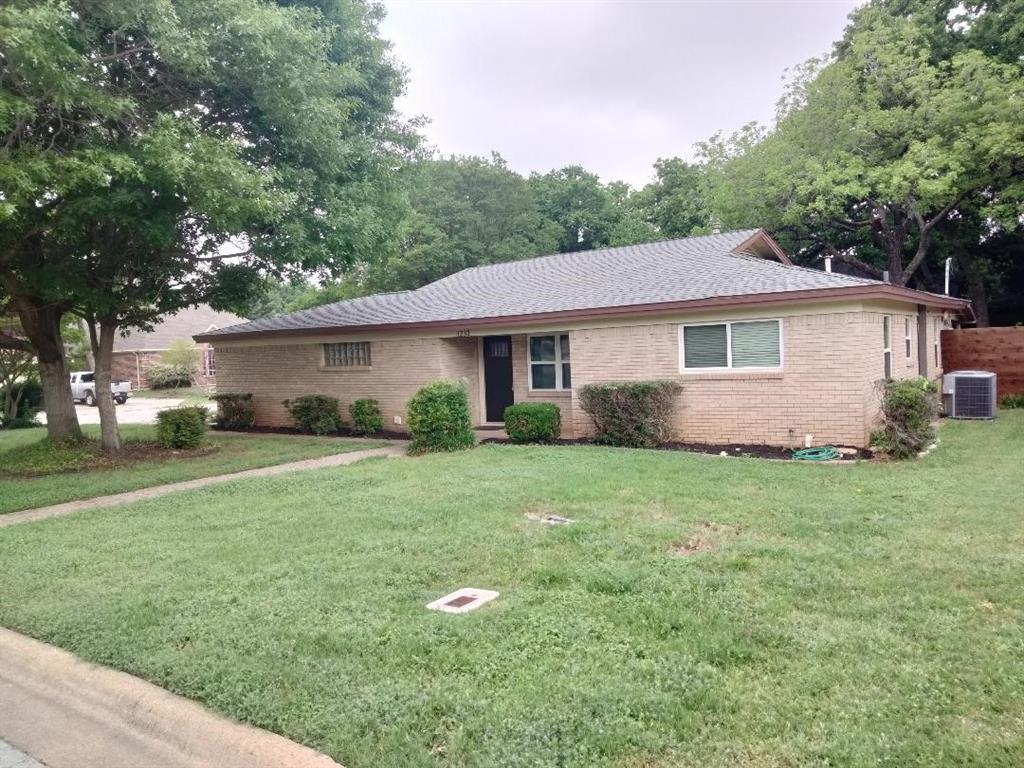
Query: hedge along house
[(765, 351)]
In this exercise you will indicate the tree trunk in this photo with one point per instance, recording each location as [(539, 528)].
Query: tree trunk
[(41, 323), (102, 342), (976, 291)]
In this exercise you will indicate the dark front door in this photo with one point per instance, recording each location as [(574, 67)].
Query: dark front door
[(497, 376)]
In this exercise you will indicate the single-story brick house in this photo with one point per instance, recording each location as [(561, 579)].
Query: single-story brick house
[(137, 351), (765, 351)]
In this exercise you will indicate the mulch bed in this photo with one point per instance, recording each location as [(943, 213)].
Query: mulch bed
[(732, 449), (384, 434), (746, 450), (132, 452)]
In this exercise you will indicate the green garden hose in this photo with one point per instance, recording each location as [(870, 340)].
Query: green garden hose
[(822, 453)]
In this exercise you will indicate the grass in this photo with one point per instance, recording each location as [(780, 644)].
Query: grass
[(832, 615), (35, 473)]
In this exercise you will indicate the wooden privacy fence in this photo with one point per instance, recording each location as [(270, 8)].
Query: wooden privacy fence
[(1000, 350)]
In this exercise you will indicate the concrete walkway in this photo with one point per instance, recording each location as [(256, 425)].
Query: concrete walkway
[(334, 460), (67, 713)]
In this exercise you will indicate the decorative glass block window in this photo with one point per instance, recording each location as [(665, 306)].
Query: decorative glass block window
[(887, 345), (549, 362), (347, 354), (906, 334), (746, 344)]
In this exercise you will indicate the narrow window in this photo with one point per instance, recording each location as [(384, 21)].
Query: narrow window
[(746, 344), (347, 354), (550, 362), (935, 342), (887, 345), (209, 362), (906, 334)]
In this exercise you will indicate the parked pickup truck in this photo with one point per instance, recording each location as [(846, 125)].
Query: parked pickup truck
[(83, 388)]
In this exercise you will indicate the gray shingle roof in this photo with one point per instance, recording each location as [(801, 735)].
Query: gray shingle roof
[(686, 269), (183, 324)]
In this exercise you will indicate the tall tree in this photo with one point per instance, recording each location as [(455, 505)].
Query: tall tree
[(158, 154), (464, 211), (878, 146), (675, 202)]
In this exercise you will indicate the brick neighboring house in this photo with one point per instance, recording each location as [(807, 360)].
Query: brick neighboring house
[(765, 351), (135, 353)]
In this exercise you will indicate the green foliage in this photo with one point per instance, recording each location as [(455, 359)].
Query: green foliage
[(181, 428), (235, 411), (440, 418), (182, 353), (139, 139), (25, 399), (366, 416), (315, 414), (676, 202), (909, 407), (1013, 400), (164, 376), (533, 422), (879, 147), (635, 414)]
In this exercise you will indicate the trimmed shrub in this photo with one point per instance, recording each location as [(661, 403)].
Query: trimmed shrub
[(315, 414), (533, 422), (165, 376), (439, 418), (366, 416), (909, 407), (635, 414), (1015, 400), (29, 396), (184, 427), (235, 411)]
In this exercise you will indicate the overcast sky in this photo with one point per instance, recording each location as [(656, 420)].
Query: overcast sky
[(609, 85)]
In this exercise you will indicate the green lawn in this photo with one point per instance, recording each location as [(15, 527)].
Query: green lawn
[(846, 616), (23, 449)]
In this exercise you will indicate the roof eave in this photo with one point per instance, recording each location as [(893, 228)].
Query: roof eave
[(891, 292)]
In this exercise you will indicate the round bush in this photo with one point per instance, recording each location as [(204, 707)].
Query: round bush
[(635, 414), (181, 428), (909, 406), (315, 414), (366, 416), (439, 418), (235, 411), (533, 422), (164, 376)]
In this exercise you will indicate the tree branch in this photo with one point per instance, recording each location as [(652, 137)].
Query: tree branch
[(10, 341)]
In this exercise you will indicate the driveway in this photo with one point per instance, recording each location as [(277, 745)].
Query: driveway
[(138, 410)]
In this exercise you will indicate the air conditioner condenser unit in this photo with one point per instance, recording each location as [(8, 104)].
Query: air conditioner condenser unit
[(969, 394)]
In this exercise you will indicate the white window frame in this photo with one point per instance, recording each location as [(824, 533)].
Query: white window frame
[(887, 346), (728, 347), (354, 367), (557, 362), (908, 337)]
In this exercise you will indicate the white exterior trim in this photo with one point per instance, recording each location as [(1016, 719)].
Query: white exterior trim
[(728, 347)]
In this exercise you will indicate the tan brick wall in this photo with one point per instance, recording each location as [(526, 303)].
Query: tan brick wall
[(818, 392), (831, 361), (521, 385), (274, 373)]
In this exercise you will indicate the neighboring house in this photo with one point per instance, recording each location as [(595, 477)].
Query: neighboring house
[(766, 352), (136, 352)]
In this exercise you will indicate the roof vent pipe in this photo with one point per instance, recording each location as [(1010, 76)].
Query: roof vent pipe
[(948, 262), (885, 276), (828, 263), (716, 226)]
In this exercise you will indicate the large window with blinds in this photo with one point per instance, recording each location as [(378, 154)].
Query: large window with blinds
[(747, 344)]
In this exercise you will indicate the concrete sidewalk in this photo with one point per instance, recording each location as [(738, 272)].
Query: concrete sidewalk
[(67, 713), (70, 507)]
